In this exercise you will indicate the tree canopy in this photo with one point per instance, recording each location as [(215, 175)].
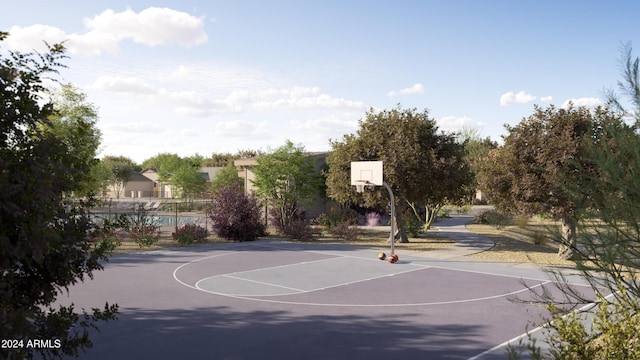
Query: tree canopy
[(421, 165), (287, 179), (121, 168), (74, 122), (46, 241), (540, 157)]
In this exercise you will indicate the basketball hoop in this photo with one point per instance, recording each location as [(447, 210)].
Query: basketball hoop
[(360, 185)]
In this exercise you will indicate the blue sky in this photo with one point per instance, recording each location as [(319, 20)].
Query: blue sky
[(192, 77)]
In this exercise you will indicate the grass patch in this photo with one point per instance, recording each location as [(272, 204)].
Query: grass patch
[(518, 241), (368, 238)]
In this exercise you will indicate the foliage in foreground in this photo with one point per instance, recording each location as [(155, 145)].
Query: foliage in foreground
[(607, 249), (47, 242)]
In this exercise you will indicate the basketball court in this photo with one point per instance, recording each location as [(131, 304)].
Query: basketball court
[(291, 301), (287, 300)]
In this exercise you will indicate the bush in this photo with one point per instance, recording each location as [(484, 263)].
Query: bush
[(143, 228), (235, 215), (190, 233), (336, 217), (296, 226), (346, 232), (373, 219), (412, 225), (492, 217)]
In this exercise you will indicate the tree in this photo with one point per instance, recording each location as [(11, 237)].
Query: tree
[(629, 85), (187, 180), (226, 177), (182, 173), (121, 169), (74, 122), (476, 150), (540, 157), (420, 165), (286, 178), (46, 242), (608, 234)]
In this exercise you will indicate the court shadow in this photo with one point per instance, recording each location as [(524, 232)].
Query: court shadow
[(220, 333)]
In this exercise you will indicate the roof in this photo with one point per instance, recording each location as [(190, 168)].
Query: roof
[(136, 176), (209, 173)]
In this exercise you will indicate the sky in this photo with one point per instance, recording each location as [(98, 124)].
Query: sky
[(201, 77)]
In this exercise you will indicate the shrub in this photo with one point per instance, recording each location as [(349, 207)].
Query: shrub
[(142, 228), (145, 235), (373, 218), (336, 217), (412, 225), (492, 217), (295, 226), (190, 233), (235, 215), (346, 232)]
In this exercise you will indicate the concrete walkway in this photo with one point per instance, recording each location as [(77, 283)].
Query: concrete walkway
[(466, 242)]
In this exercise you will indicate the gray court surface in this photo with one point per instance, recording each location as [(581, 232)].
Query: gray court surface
[(280, 300)]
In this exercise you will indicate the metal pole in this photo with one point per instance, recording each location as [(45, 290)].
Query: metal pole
[(393, 216)]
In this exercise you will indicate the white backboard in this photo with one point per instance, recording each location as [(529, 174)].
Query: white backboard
[(370, 171)]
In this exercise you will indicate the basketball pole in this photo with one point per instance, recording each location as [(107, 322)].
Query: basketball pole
[(393, 216)]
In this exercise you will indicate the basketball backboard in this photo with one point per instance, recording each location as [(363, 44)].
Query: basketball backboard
[(369, 171)]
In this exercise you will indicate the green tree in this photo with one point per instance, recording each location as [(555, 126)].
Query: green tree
[(420, 165), (225, 178), (165, 164), (121, 169), (46, 243), (218, 160), (608, 234), (74, 122), (286, 178), (629, 86), (540, 157), (187, 181), (476, 150)]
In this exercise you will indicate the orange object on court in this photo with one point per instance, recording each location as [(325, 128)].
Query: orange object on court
[(393, 258)]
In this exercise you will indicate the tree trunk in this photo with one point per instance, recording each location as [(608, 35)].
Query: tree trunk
[(400, 235), (567, 246)]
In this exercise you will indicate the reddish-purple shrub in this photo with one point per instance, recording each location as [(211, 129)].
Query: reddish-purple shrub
[(235, 215), (190, 233)]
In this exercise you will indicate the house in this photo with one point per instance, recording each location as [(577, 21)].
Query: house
[(146, 184), (138, 186)]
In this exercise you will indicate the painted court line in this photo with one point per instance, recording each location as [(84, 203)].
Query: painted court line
[(218, 283)]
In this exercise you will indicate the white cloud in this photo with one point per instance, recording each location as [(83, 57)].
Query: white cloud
[(188, 133), (547, 99), (152, 26), (120, 84), (587, 102), (31, 38), (302, 98), (511, 98), (325, 124), (415, 89), (135, 127), (456, 123), (241, 129)]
